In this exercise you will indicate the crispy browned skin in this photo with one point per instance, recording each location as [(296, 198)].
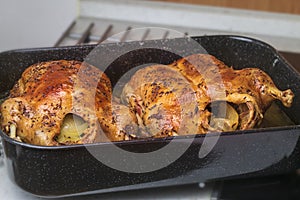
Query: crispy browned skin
[(163, 101), (162, 96), (48, 91)]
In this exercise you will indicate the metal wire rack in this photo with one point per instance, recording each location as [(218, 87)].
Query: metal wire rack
[(90, 34)]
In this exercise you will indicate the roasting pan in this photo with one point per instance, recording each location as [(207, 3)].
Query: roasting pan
[(73, 170)]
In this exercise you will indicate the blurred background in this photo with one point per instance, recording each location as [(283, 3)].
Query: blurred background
[(34, 23)]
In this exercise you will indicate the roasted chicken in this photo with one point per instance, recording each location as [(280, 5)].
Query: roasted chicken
[(70, 102), (49, 95), (198, 94)]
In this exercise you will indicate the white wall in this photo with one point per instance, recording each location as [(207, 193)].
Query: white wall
[(34, 23)]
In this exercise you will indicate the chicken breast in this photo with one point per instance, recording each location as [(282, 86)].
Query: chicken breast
[(163, 102)]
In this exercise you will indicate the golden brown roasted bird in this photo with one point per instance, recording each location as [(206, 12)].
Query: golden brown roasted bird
[(162, 97), (51, 96)]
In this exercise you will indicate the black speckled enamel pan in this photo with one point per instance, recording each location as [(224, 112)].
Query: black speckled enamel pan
[(73, 170)]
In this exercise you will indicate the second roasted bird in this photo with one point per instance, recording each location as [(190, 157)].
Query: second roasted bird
[(199, 94)]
